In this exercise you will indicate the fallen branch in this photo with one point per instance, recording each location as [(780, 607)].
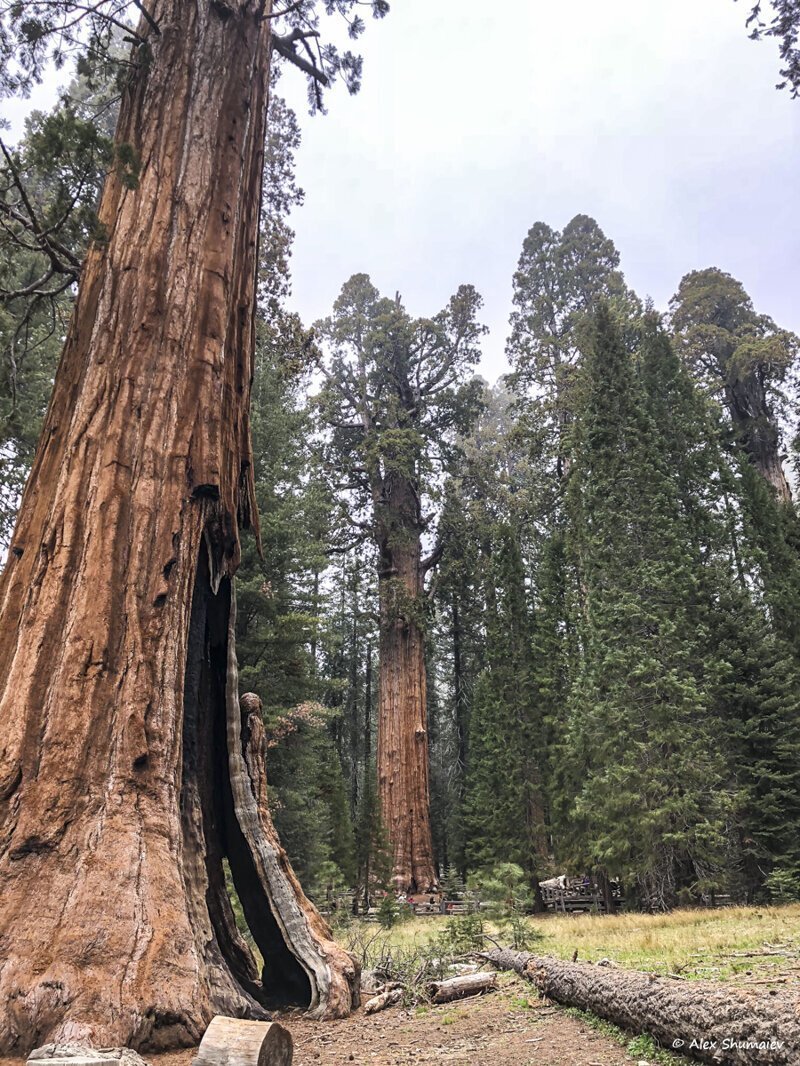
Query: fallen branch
[(384, 1000), (457, 987), (731, 1026)]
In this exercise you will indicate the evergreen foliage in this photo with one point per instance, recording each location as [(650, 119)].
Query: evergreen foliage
[(612, 636)]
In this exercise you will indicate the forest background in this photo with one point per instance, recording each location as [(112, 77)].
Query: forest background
[(546, 726)]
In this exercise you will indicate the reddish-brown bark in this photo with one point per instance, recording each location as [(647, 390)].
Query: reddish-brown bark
[(403, 785), (115, 809)]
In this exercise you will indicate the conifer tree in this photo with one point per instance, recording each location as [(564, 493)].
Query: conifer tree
[(559, 279), (397, 391), (504, 809), (745, 666), (647, 782), (743, 358)]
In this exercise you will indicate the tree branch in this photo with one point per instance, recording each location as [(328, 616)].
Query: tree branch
[(285, 46), (433, 559), (148, 17)]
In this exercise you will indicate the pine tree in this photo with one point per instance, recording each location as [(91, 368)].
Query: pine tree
[(745, 668), (504, 811), (648, 800)]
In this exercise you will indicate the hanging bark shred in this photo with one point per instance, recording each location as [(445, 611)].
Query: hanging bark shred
[(457, 987), (235, 1042), (117, 806), (729, 1025)]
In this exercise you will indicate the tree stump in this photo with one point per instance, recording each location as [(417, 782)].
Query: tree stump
[(235, 1042)]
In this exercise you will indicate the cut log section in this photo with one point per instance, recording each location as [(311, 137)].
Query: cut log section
[(457, 987), (234, 1042), (712, 1022)]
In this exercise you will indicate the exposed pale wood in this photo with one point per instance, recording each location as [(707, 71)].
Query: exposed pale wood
[(332, 974), (386, 999), (82, 1055), (457, 987), (701, 1010), (236, 1042)]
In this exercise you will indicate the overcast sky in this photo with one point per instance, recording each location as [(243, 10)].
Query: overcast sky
[(659, 118)]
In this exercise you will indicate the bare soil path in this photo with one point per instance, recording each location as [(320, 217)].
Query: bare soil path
[(498, 1029)]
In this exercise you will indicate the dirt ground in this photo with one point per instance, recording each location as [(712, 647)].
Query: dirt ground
[(492, 1030), (509, 1027), (498, 1029)]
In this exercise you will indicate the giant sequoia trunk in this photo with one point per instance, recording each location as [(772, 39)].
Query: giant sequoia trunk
[(402, 708), (758, 430), (122, 783)]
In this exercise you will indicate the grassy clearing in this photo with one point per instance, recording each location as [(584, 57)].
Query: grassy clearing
[(693, 943)]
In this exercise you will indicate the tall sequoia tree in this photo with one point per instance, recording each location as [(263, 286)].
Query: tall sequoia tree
[(559, 279), (395, 393), (128, 770), (742, 357)]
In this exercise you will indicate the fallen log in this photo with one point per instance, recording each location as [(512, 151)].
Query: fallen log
[(384, 1000), (458, 987), (235, 1042), (709, 1021)]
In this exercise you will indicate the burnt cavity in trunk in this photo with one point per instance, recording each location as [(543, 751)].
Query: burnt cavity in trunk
[(206, 783)]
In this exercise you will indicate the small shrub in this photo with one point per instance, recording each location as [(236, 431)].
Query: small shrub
[(783, 886), (461, 936)]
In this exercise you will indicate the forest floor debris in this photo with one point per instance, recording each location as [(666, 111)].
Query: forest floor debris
[(510, 1028)]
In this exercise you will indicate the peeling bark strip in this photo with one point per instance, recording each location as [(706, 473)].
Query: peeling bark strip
[(115, 798), (332, 975), (730, 1026)]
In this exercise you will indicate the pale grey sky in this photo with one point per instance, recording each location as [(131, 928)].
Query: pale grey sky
[(658, 117)]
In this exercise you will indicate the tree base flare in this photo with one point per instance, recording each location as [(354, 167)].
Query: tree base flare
[(135, 942)]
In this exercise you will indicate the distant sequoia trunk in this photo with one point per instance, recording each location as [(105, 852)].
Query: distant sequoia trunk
[(127, 774), (403, 776), (758, 430)]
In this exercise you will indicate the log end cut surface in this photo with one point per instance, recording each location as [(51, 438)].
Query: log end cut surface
[(235, 1042)]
